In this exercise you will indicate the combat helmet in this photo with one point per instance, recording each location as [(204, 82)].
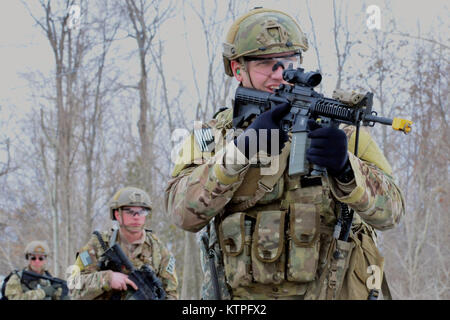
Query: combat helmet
[(129, 196), (262, 31), (36, 247)]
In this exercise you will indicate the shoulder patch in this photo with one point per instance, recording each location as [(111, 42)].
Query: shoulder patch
[(204, 138), (171, 265), (85, 258)]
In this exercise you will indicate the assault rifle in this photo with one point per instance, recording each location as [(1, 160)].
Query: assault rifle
[(210, 253), (345, 107), (149, 285), (28, 276)]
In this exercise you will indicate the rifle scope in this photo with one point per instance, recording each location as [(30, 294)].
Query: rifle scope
[(298, 76)]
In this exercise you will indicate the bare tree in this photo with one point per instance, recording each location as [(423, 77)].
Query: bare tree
[(378, 73), (421, 253), (67, 54), (6, 166), (70, 118), (212, 92), (342, 41), (145, 18), (213, 20), (94, 93), (315, 43)]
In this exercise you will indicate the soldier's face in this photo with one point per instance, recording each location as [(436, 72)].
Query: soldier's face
[(132, 218), (37, 262), (266, 73)]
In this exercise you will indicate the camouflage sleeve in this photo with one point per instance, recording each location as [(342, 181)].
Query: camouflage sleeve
[(200, 192), (373, 194), (13, 291), (168, 274), (88, 282)]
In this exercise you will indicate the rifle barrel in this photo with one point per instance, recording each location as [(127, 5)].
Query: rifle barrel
[(382, 120)]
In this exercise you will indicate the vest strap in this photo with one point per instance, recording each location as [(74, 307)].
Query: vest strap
[(266, 183)]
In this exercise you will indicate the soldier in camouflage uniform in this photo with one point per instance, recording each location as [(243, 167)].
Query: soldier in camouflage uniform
[(36, 253), (272, 236), (129, 206)]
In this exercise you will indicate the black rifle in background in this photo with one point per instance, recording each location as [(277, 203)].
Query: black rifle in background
[(149, 285), (28, 276)]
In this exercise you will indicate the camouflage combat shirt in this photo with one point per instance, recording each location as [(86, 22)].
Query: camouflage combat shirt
[(92, 283), (16, 290)]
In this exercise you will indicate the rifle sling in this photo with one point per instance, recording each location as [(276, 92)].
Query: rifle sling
[(266, 183), (100, 239)]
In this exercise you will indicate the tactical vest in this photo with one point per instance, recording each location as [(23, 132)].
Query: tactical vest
[(276, 237)]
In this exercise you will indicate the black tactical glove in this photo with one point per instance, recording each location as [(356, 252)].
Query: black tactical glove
[(270, 121), (328, 148), (49, 291)]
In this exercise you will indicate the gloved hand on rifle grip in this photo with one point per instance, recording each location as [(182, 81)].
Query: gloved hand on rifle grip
[(328, 148), (270, 121), (49, 290)]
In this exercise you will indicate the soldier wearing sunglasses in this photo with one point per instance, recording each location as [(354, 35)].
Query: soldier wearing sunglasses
[(16, 288), (129, 207)]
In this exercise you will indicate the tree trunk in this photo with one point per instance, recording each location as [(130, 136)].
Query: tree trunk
[(192, 283)]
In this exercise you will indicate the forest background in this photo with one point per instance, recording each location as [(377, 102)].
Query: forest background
[(90, 100)]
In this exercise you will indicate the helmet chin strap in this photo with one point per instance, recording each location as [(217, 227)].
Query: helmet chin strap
[(244, 68), (251, 82)]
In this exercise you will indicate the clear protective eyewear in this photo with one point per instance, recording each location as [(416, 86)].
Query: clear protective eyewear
[(267, 66), (143, 212)]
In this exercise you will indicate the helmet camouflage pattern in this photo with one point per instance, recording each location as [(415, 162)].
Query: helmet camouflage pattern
[(36, 247), (131, 197), (262, 31)]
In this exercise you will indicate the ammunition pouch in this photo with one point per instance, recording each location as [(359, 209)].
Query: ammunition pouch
[(232, 240), (365, 270), (268, 259), (255, 251), (304, 245)]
